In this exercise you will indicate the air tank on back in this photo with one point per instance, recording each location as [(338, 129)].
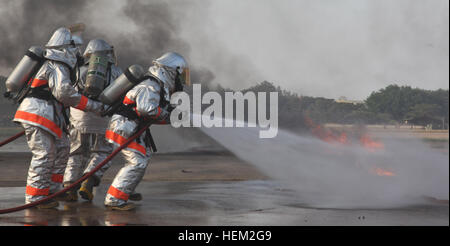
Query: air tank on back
[(130, 77), (96, 74), (25, 69)]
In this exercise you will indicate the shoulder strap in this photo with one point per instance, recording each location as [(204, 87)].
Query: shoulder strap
[(72, 72), (27, 87), (162, 97)]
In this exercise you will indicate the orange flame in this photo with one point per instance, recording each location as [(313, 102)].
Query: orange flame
[(365, 140), (324, 134), (381, 172), (371, 145)]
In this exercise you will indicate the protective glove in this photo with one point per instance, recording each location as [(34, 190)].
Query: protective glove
[(96, 107), (162, 117)]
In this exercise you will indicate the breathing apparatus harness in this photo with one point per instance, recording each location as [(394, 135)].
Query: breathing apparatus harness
[(24, 91), (128, 112), (43, 91)]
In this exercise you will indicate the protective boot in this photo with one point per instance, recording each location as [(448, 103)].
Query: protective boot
[(48, 204), (87, 188), (135, 196), (124, 207), (68, 196), (63, 197)]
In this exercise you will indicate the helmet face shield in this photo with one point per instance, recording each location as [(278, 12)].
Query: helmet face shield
[(186, 77), (174, 61)]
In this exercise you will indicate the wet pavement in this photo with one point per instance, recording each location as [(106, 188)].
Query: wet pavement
[(256, 202)]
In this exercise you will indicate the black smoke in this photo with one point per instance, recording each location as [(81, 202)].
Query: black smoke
[(157, 33), (26, 23)]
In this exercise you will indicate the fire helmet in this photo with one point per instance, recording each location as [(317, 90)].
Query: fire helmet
[(97, 45), (174, 62), (63, 38)]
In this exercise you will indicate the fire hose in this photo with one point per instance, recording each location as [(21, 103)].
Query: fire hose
[(87, 175), (12, 138)]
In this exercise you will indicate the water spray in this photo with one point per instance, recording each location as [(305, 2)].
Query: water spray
[(347, 176)]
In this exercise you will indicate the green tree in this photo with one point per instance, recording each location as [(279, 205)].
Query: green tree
[(398, 101), (424, 114)]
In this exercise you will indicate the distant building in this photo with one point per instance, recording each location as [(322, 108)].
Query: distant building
[(345, 100)]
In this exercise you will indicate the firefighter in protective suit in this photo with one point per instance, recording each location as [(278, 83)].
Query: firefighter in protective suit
[(148, 100), (42, 115), (88, 146)]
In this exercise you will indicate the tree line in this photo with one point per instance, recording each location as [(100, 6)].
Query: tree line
[(390, 105)]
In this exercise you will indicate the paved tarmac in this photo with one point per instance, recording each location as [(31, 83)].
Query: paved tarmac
[(258, 202), (201, 187)]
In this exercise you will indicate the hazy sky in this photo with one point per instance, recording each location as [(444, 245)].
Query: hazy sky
[(331, 48), (323, 48)]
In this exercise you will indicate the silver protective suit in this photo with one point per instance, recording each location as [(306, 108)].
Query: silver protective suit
[(43, 119), (146, 100), (87, 132)]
